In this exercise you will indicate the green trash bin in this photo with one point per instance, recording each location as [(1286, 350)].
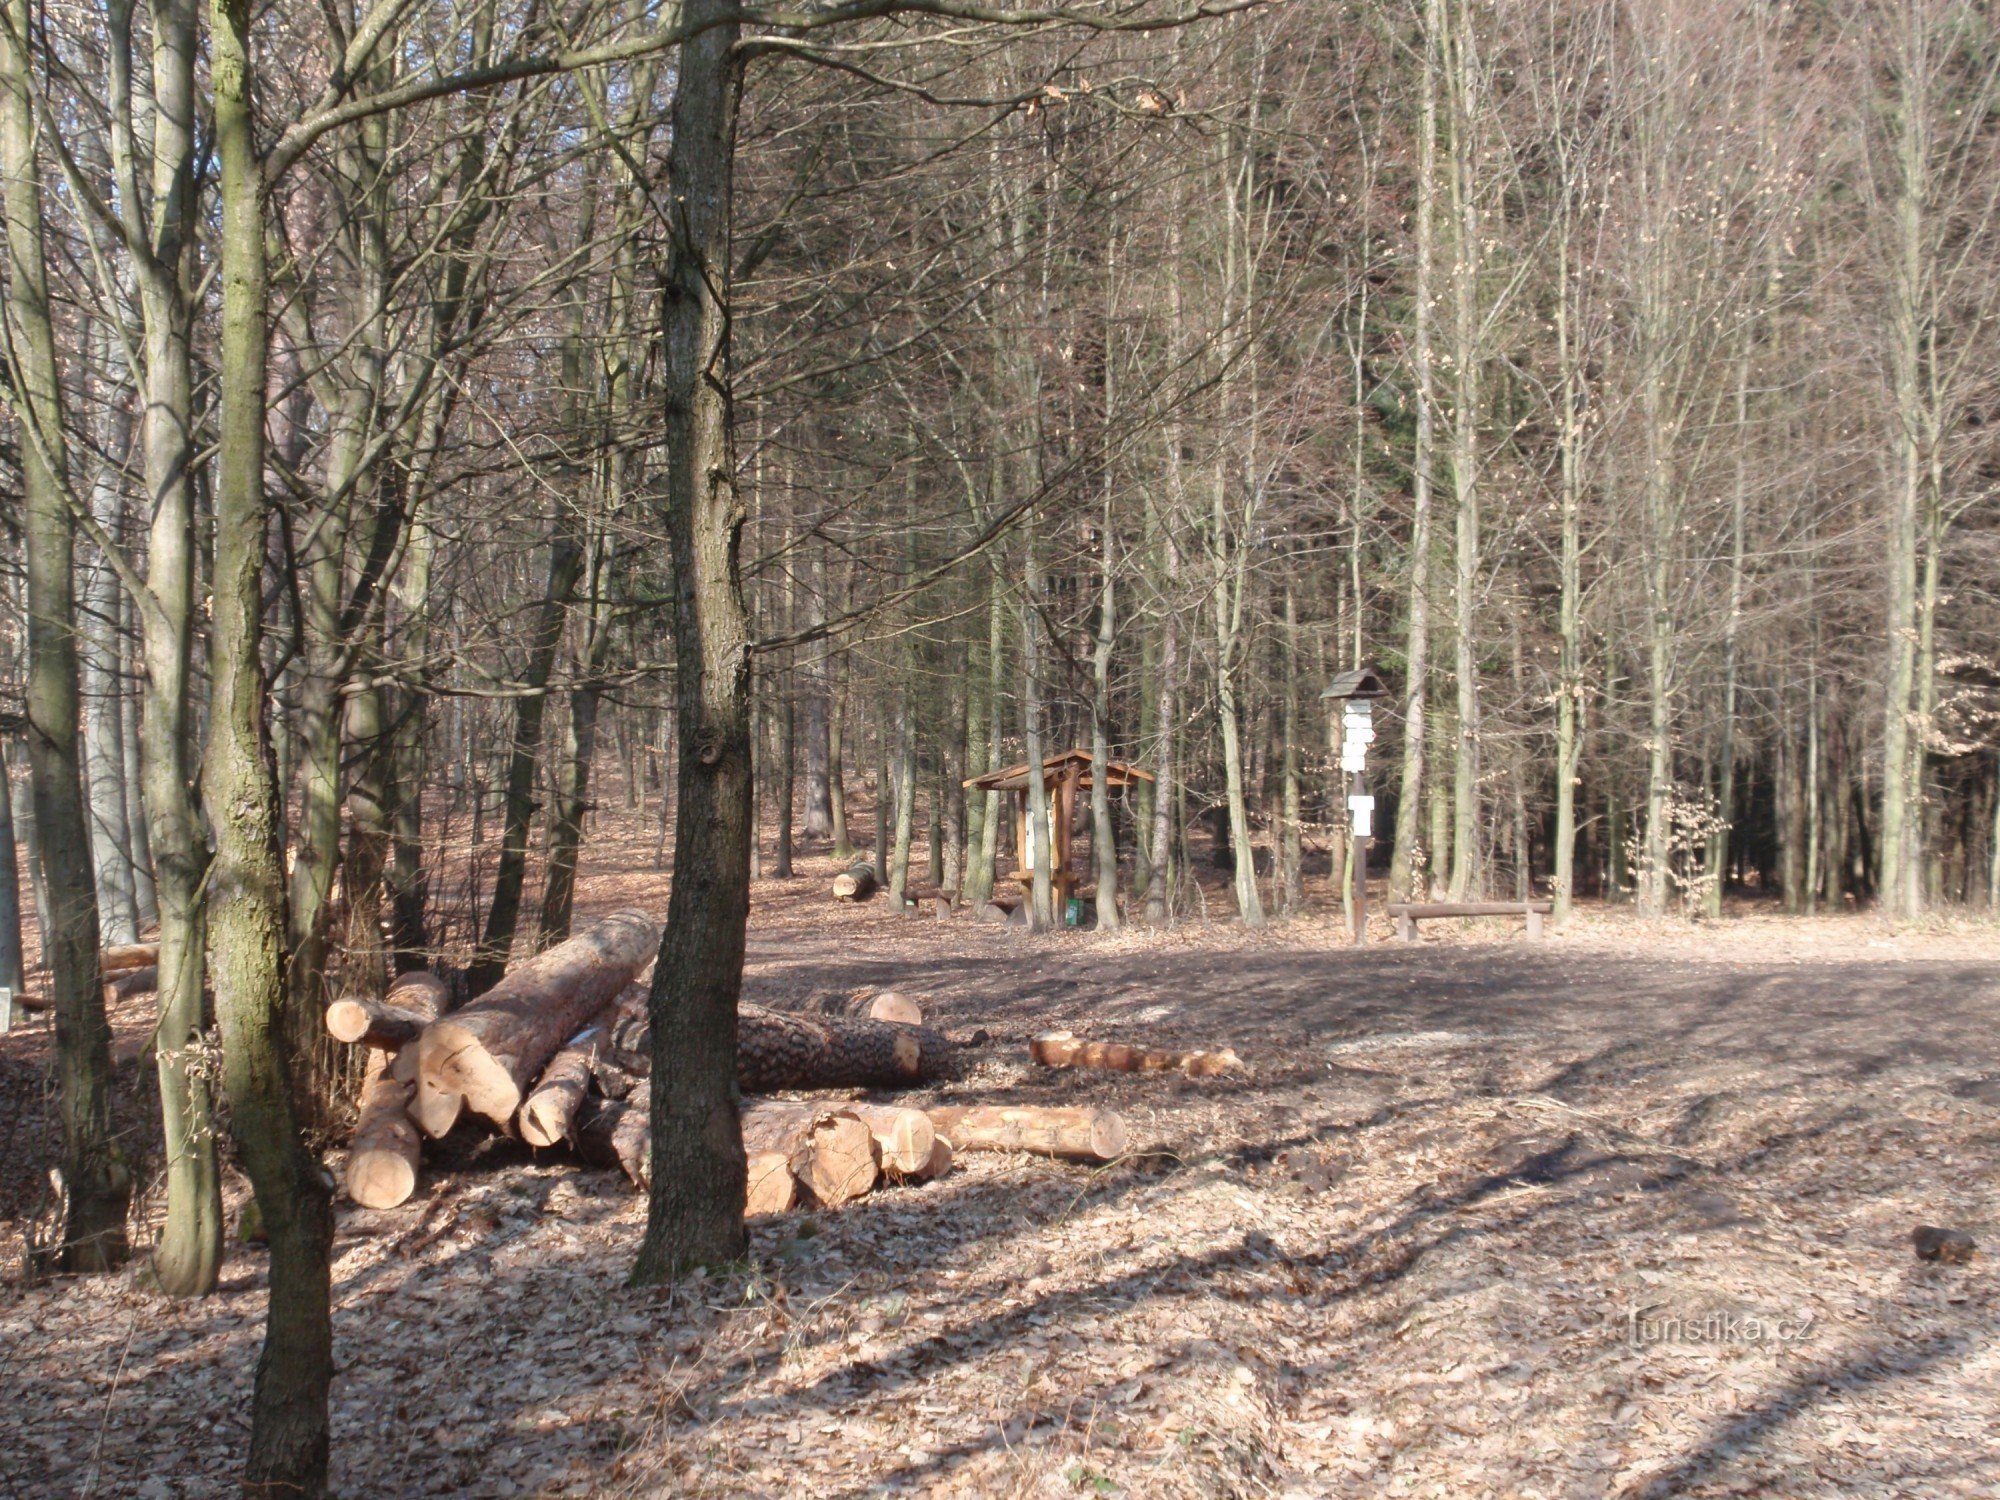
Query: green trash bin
[(1073, 912)]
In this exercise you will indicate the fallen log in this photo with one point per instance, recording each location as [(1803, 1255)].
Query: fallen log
[(1071, 1134), (132, 982), (796, 1052), (827, 1152), (487, 1053), (1059, 1049), (831, 1150), (552, 1108), (383, 1158), (620, 1134), (857, 884), (414, 1001), (119, 957), (904, 1137), (776, 1051)]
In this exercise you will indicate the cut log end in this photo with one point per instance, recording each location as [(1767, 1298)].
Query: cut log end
[(903, 1137), (436, 1108), (386, 1151), (889, 1005), (857, 884), (457, 1060), (842, 1164), (771, 1188)]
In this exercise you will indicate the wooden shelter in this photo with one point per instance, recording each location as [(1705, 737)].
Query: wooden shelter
[(1064, 775)]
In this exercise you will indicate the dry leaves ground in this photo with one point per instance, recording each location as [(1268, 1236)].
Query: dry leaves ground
[(1624, 1214)]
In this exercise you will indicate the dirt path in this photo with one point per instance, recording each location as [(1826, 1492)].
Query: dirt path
[(1624, 1214)]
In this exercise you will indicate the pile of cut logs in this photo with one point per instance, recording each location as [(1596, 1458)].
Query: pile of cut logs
[(558, 1052)]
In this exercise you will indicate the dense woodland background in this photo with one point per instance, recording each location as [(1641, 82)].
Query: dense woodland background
[(1618, 378)]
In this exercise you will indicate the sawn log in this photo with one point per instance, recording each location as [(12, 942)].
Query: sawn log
[(553, 1107), (414, 1001), (1059, 1049), (484, 1056), (1072, 1134), (777, 1051), (383, 1158)]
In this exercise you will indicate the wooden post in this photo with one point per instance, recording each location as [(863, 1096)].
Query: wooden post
[(1534, 925)]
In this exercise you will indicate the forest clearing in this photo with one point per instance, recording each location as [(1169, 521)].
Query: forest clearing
[(1427, 1246), (1111, 746)]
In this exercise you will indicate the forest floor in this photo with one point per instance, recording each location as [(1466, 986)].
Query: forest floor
[(1624, 1213)]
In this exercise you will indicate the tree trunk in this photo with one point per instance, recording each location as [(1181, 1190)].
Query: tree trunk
[(524, 758), (573, 786), (979, 881), (95, 1176), (836, 776), (288, 1419), (787, 786), (1103, 837), (818, 820), (905, 772), (695, 1210), (188, 1259), (1405, 863), (552, 1109), (101, 654), (10, 895), (413, 1001), (1291, 851), (856, 884)]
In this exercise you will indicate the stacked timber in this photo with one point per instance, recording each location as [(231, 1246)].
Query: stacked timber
[(483, 1056), (559, 1052)]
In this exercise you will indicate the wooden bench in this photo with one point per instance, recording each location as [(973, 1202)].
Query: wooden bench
[(1409, 913)]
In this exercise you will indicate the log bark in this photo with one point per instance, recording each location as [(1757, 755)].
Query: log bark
[(132, 982), (904, 1137), (794, 1052), (619, 1134), (1071, 1134), (120, 957), (857, 884), (488, 1052), (776, 1051), (831, 1150), (383, 1158), (1058, 1049)]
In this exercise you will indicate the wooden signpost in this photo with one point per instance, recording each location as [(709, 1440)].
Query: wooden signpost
[(1356, 693)]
